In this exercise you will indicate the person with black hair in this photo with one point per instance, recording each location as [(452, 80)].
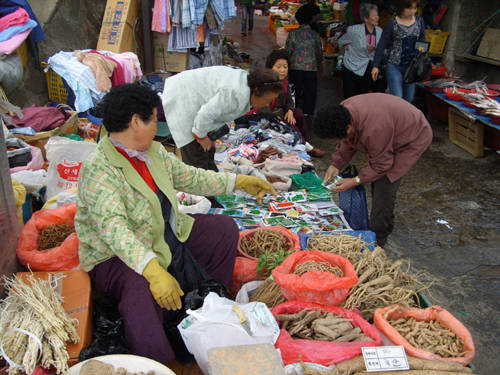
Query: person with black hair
[(135, 244), (399, 35), (283, 105), (306, 52), (199, 101), (393, 134)]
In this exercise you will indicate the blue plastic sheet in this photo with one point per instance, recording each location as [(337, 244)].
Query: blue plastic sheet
[(366, 235)]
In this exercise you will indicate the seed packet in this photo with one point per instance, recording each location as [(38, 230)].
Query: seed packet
[(227, 198), (295, 196), (233, 213), (310, 207), (235, 206), (271, 221), (240, 225), (280, 214), (305, 230), (330, 211), (287, 223), (293, 213), (279, 206), (307, 215), (250, 221), (329, 184), (336, 222), (256, 213)]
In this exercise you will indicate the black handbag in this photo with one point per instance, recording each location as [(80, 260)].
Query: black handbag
[(420, 68)]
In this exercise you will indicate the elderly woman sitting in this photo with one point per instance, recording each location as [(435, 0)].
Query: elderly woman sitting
[(136, 246)]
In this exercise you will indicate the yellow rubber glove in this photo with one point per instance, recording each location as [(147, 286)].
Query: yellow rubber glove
[(164, 287), (255, 186)]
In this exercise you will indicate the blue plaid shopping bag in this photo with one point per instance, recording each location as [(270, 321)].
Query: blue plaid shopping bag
[(353, 202)]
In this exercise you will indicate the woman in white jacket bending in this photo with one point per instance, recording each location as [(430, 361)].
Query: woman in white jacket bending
[(199, 101)]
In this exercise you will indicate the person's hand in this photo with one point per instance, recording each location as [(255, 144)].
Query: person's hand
[(205, 143), (346, 47), (164, 287), (375, 73), (345, 184), (331, 171), (289, 117), (255, 186), (421, 49)]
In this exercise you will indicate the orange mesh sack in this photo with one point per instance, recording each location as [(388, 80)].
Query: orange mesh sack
[(245, 270), (315, 286), (62, 258), (436, 313)]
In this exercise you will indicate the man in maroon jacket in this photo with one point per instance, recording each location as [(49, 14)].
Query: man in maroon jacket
[(393, 134)]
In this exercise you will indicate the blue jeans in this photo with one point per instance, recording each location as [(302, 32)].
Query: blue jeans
[(396, 85), (247, 13)]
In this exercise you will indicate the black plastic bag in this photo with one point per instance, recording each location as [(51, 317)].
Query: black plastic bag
[(108, 335), (420, 68)]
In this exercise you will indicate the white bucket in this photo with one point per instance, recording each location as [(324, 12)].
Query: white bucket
[(281, 35), (329, 66)]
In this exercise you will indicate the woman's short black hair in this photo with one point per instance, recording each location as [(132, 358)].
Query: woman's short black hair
[(303, 15), (277, 54), (405, 4), (331, 122), (122, 102), (263, 81)]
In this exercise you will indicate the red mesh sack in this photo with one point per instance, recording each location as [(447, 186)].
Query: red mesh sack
[(322, 352), (436, 313), (62, 258), (315, 286)]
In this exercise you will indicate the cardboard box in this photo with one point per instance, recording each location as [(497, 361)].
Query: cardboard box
[(40, 139), (168, 61), (75, 290), (118, 25)]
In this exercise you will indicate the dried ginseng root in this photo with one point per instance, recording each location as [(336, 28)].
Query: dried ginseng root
[(430, 336), (316, 325)]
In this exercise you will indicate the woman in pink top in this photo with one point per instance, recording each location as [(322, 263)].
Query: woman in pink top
[(393, 134)]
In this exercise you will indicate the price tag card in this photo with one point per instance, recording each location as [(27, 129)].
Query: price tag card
[(385, 358)]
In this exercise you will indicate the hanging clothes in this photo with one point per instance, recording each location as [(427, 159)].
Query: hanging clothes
[(161, 17), (186, 14), (181, 39), (102, 68), (198, 10)]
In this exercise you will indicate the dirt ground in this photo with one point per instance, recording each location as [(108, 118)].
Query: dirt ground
[(447, 184)]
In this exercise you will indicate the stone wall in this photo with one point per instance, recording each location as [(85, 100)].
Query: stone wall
[(68, 25), (463, 17)]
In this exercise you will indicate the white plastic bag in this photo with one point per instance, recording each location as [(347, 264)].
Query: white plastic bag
[(216, 325), (247, 290), (66, 157), (281, 35), (193, 204)]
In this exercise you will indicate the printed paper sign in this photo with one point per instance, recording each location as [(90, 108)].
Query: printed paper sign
[(385, 358)]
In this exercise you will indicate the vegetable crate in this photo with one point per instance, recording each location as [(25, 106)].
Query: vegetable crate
[(57, 89), (466, 132), (437, 39)]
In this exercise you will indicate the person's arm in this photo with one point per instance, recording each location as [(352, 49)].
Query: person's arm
[(220, 104), (289, 44), (422, 37), (289, 106), (342, 156), (319, 49), (196, 180), (347, 38), (385, 39)]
